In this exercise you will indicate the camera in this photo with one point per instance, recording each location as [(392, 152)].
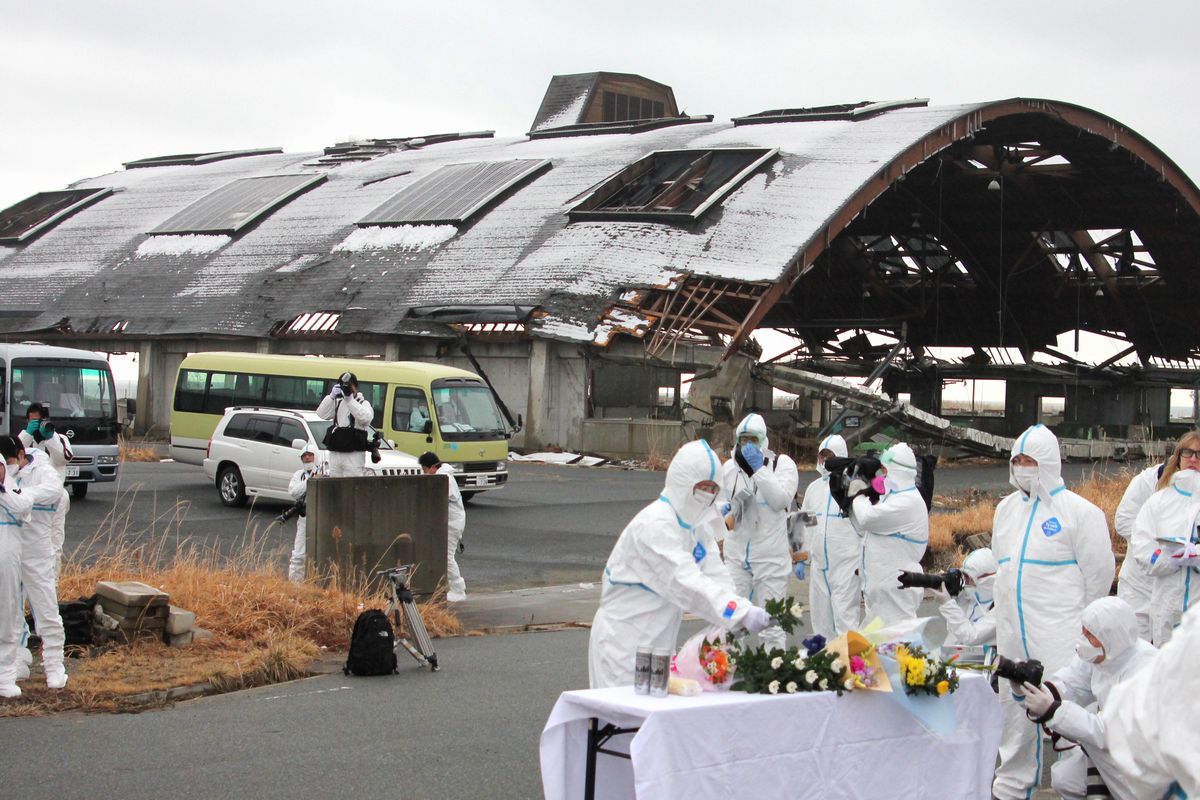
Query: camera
[(952, 579), (1020, 671), (299, 507), (843, 471), (373, 447)]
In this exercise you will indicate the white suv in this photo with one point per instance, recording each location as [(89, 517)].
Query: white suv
[(254, 451)]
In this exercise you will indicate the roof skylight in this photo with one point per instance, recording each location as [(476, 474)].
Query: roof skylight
[(192, 159), (454, 193), (238, 204), (38, 213)]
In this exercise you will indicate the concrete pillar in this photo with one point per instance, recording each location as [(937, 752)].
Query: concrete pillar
[(158, 369), (391, 351), (262, 346), (147, 352), (541, 372)]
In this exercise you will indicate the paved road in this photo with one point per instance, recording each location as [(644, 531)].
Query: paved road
[(550, 525)]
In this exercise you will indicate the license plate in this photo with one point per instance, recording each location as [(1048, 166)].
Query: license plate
[(72, 472), (478, 480)]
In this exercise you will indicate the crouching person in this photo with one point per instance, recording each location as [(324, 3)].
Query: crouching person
[(456, 523), (1108, 652)]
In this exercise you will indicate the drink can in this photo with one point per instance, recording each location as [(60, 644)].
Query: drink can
[(641, 669), (660, 671)]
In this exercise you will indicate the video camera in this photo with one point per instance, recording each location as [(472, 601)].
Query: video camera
[(843, 471), (952, 579), (1020, 671), (299, 507)]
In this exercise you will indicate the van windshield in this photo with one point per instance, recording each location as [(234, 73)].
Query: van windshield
[(467, 413), (79, 398)]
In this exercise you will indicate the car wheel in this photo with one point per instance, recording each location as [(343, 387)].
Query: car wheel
[(231, 487), (78, 491), (467, 497)]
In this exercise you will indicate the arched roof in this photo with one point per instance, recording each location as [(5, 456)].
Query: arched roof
[(784, 248)]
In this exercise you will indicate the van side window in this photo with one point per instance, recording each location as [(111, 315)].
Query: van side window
[(288, 392), (410, 410), (263, 429), (233, 389), (189, 394), (376, 395)]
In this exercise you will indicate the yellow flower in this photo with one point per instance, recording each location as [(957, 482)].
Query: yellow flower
[(943, 687)]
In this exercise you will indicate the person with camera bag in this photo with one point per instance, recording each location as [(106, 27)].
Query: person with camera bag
[(347, 439), (1069, 703), (760, 487), (1054, 557), (39, 433), (298, 489), (897, 533), (834, 550)]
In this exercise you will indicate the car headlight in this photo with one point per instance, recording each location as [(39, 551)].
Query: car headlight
[(107, 459), (456, 466), (501, 466)]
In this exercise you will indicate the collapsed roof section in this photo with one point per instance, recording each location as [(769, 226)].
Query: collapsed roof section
[(988, 225)]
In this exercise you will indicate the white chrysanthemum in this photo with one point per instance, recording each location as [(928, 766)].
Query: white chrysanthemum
[(824, 685), (791, 687), (773, 687), (836, 665), (849, 684), (776, 662), (810, 677), (798, 662), (797, 610)]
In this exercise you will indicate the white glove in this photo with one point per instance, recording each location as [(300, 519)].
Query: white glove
[(756, 620), (1189, 553), (940, 595), (856, 487), (1038, 700), (336, 392)]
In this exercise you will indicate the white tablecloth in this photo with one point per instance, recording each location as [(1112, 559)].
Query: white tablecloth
[(734, 745)]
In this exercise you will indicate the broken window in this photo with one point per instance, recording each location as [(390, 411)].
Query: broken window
[(35, 215), (238, 204), (672, 185), (455, 193)]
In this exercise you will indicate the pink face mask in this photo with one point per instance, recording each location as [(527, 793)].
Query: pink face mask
[(877, 483)]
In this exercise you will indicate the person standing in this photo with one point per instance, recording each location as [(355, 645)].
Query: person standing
[(456, 523), (298, 489), (1134, 585), (760, 487), (1054, 557), (1166, 542), (39, 433), (896, 531), (664, 564), (347, 440), (834, 552), (14, 512)]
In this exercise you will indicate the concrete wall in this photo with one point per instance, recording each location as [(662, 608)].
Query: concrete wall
[(635, 438)]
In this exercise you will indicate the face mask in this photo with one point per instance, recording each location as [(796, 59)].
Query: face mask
[(1186, 480), (983, 589), (1024, 477), (879, 484), (704, 497), (1087, 651)]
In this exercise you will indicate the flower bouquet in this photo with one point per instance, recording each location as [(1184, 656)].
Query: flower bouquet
[(706, 659), (921, 673), (866, 671)]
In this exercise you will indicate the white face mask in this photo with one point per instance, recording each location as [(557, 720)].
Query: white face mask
[(1025, 477), (821, 469), (1186, 480), (1087, 651), (703, 497)]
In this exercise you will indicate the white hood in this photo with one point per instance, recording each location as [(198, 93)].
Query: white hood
[(1042, 446), (981, 566), (1113, 622), (753, 425), (692, 463), (835, 444), (901, 465)]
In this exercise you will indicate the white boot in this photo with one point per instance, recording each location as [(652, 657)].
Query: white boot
[(10, 691), (56, 677), (24, 662)]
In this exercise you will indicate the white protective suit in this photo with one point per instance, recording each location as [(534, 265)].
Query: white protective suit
[(971, 617), (59, 451), (834, 554), (1054, 557), (664, 563), (1082, 683), (757, 552), (348, 411), (1150, 719), (456, 523), (298, 489), (1134, 584), (1165, 543), (39, 566), (15, 507), (896, 533)]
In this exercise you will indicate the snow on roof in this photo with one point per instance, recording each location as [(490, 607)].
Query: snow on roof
[(523, 251)]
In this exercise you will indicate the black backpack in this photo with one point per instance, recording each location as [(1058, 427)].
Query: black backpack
[(372, 645)]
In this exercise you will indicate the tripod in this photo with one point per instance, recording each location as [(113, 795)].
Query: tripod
[(402, 598)]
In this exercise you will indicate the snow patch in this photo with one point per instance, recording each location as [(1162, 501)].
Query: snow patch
[(404, 237), (568, 114), (181, 245)]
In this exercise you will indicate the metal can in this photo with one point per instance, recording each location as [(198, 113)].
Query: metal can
[(641, 669), (660, 671)]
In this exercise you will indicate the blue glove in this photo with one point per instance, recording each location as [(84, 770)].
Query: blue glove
[(33, 426), (336, 392), (753, 456), (801, 569), (725, 509)]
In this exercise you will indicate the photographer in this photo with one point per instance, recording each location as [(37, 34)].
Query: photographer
[(897, 533), (1108, 652), (347, 440), (835, 550), (456, 523), (1053, 557), (39, 433), (969, 610), (298, 489)]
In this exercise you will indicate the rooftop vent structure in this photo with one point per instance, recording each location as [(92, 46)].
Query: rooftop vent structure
[(368, 149), (588, 98), (849, 111)]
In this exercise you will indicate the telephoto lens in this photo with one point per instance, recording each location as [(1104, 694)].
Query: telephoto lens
[(920, 580), (954, 581)]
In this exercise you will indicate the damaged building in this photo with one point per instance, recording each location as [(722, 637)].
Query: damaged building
[(622, 253)]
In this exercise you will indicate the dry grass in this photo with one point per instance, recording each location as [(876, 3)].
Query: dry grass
[(265, 628), (137, 451)]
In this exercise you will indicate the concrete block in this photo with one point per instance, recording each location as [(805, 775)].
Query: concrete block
[(180, 639), (132, 593), (180, 621), (122, 611), (201, 633)]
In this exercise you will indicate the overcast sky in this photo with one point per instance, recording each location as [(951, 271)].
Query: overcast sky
[(90, 84)]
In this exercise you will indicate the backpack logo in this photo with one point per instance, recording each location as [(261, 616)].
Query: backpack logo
[(1051, 526)]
